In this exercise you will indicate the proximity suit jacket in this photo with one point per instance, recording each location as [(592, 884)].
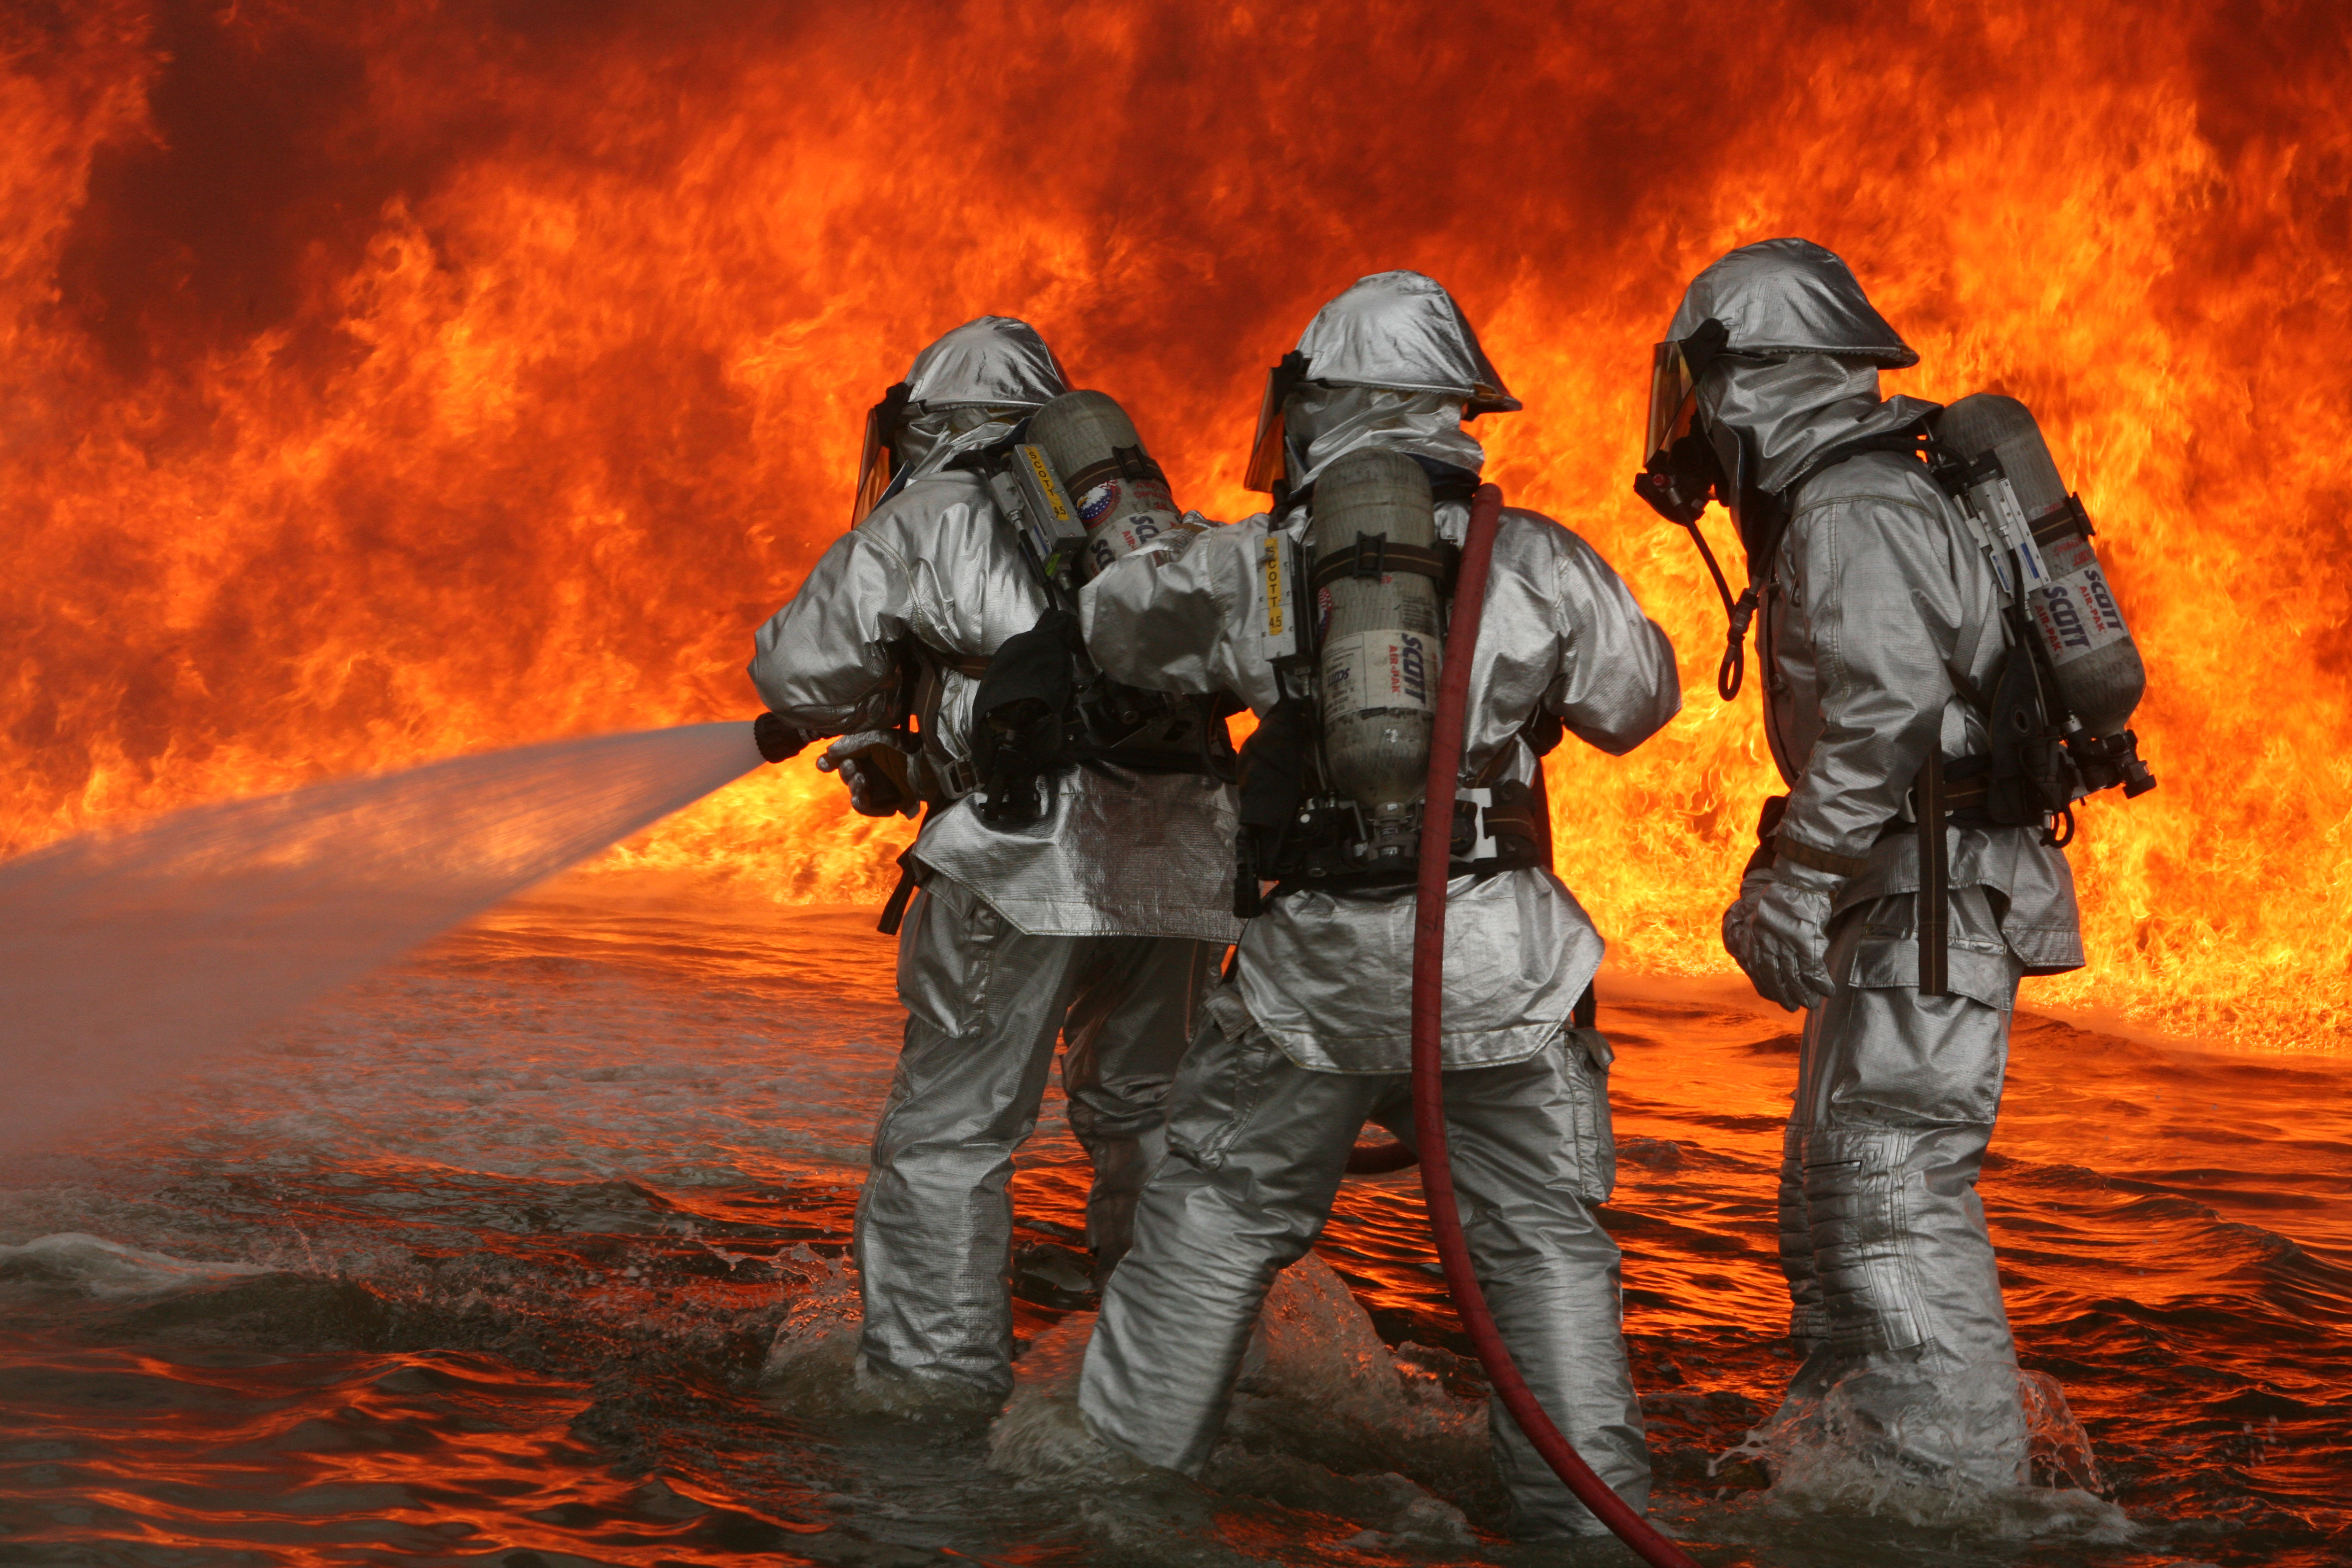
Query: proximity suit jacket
[(1328, 976), (1118, 854), (1878, 611)]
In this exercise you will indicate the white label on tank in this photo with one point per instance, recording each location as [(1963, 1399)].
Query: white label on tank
[(2078, 614), (1365, 671), (1149, 514)]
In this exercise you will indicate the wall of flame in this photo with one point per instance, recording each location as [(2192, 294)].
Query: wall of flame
[(394, 380)]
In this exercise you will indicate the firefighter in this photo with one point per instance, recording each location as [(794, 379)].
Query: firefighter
[(1310, 1038), (1880, 640), (1096, 925)]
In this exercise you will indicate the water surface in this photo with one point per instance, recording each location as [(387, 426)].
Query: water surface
[(483, 1261)]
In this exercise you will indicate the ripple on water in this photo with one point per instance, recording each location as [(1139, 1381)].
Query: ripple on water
[(495, 1255)]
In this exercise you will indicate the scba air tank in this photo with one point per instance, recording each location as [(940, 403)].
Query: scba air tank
[(1120, 492), (1381, 643), (2099, 674)]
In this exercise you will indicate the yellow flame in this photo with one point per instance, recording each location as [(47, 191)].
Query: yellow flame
[(508, 379)]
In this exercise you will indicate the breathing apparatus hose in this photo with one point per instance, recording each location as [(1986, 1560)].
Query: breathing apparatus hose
[(1428, 1070)]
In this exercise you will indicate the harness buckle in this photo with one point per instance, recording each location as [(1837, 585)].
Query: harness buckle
[(1481, 839), (960, 777)]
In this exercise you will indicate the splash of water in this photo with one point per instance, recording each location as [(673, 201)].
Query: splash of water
[(1836, 1454), (1323, 1411), (144, 951)]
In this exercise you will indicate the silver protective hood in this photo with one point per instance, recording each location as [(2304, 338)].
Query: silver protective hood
[(1771, 360), (1322, 423), (998, 361), (1769, 419), (1398, 333), (1403, 330), (988, 366), (1790, 297)]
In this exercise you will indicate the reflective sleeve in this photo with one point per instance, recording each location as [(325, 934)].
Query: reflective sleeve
[(1617, 684), (1182, 616), (824, 659), (1874, 577)]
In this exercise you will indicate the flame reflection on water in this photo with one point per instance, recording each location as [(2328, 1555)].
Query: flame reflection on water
[(534, 1202)]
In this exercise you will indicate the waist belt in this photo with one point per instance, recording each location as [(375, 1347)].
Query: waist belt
[(1498, 823), (1966, 801), (1501, 827), (1966, 797)]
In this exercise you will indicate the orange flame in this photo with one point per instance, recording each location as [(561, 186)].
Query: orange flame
[(387, 384)]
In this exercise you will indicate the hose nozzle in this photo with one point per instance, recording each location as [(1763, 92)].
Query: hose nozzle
[(776, 739)]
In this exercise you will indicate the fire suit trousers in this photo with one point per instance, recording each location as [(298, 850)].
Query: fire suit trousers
[(1895, 1299), (1258, 1146), (985, 1006)]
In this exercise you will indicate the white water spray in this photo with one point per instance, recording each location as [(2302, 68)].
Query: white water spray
[(131, 954)]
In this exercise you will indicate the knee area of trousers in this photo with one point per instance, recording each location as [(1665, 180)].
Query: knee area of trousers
[(1945, 1158), (1510, 1245), (1120, 1123), (1829, 1156), (1948, 1158), (1188, 1206), (932, 1166)]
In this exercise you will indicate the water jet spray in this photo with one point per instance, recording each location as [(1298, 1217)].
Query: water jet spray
[(130, 953)]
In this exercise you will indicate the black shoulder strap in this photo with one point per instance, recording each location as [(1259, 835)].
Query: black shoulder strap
[(987, 459), (1913, 440), (911, 872), (1275, 761)]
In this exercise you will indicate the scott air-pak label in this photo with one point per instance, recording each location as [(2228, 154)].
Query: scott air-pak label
[(1049, 489), (2076, 608), (1371, 671)]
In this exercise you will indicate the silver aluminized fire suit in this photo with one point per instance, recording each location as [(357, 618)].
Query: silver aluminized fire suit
[(1097, 926), (1877, 613), (1312, 1039)]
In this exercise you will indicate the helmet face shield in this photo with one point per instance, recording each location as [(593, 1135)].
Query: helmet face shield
[(1680, 472), (1674, 395), (1269, 457), (878, 463)]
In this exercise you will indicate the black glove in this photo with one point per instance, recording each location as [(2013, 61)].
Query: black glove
[(776, 739)]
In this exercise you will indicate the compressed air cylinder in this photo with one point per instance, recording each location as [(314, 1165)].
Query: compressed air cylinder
[(2099, 674), (1380, 644), (1120, 491)]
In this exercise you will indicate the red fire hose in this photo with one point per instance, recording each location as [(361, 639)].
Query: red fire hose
[(1428, 1070)]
